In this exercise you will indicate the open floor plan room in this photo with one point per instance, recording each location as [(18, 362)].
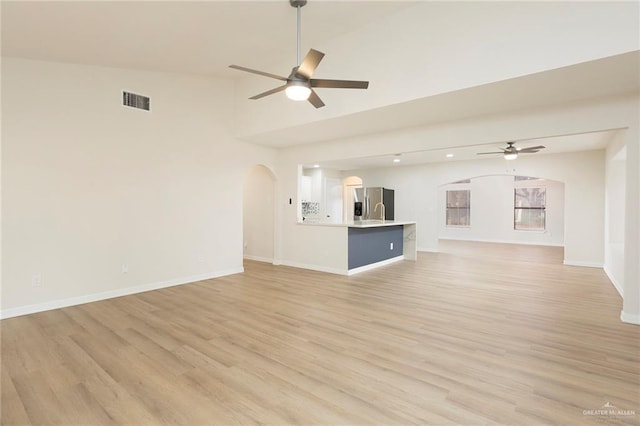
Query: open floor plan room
[(510, 336), (312, 212)]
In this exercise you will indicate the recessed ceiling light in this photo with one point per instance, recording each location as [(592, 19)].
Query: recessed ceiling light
[(449, 155), (316, 165), (396, 160)]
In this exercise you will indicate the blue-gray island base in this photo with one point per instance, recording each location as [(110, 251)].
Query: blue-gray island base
[(375, 244)]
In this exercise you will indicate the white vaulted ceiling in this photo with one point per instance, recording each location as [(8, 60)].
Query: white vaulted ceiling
[(427, 62), (194, 37)]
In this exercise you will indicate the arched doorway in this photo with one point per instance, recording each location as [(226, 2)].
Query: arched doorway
[(258, 214)]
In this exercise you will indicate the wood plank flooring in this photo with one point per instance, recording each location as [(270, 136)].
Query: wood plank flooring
[(475, 334)]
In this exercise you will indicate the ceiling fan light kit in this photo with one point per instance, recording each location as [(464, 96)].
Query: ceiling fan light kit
[(298, 92), (299, 84), (510, 156)]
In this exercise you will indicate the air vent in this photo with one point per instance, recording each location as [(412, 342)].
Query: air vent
[(135, 101)]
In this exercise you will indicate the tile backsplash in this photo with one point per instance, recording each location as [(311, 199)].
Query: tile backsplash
[(310, 208)]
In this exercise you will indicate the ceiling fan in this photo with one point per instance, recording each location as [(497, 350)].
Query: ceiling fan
[(511, 151), (299, 84)]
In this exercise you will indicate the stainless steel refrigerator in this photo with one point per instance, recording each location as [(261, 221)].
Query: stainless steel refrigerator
[(372, 203)]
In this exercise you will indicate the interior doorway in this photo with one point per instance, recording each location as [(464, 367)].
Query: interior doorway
[(348, 185), (258, 214)]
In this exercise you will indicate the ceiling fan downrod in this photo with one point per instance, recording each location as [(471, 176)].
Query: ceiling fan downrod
[(298, 5)]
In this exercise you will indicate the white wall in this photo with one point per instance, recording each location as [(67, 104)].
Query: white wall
[(90, 185), (616, 160), (492, 212), (315, 177), (631, 301), (258, 212), (318, 247)]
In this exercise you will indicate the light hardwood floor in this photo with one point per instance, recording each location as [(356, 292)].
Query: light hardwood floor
[(475, 334)]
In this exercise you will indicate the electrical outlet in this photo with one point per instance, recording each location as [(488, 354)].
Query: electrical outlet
[(36, 280), (390, 246), (125, 268)]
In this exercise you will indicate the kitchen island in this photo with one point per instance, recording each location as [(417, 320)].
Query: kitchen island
[(365, 245)]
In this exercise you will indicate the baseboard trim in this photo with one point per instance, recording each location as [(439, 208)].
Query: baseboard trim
[(318, 268), (428, 250), (338, 271), (526, 243), (630, 318), (375, 265), (96, 297), (583, 264), (259, 259), (613, 280)]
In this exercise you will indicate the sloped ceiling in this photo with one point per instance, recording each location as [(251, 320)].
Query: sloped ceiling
[(192, 37), (428, 80)]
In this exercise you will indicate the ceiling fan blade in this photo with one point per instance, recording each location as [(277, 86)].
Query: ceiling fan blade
[(269, 92), (495, 152), (315, 100), (339, 84), (310, 63), (262, 73), (532, 148)]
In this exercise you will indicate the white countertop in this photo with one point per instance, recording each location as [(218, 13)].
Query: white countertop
[(378, 223), (363, 224)]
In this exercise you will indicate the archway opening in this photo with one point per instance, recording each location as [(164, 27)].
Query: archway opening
[(258, 214)]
